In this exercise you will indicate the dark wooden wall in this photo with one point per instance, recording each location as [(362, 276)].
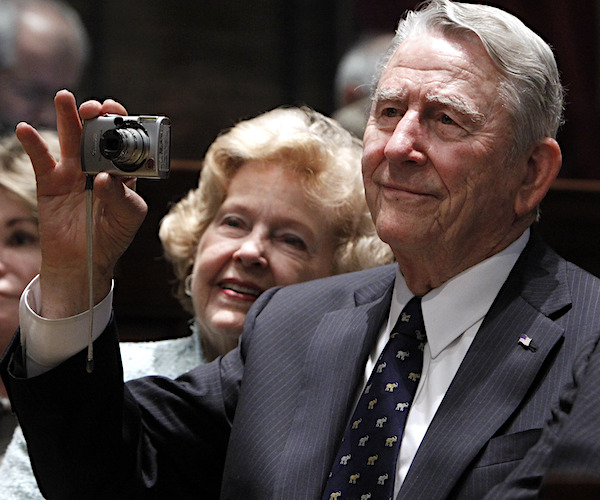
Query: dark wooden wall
[(209, 63), (570, 221)]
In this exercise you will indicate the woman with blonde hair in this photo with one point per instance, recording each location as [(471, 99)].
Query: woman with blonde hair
[(20, 254), (280, 200)]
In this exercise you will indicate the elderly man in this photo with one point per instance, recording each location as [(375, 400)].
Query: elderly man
[(43, 48), (427, 379)]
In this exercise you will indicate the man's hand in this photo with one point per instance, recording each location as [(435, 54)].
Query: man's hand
[(118, 212)]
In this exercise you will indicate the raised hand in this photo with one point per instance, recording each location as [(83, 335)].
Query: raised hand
[(118, 212)]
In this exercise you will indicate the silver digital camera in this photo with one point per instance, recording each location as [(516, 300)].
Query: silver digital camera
[(132, 146)]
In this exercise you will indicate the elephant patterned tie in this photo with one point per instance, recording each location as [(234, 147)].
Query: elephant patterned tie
[(365, 466)]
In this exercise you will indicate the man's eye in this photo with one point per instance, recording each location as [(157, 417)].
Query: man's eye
[(446, 120), (391, 112)]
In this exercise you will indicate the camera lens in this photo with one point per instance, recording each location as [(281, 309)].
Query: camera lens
[(127, 148)]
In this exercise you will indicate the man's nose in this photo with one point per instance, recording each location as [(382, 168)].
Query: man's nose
[(407, 142)]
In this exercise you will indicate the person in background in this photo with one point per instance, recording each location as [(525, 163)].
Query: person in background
[(20, 254), (44, 47), (296, 162), (459, 151), (280, 200), (354, 80)]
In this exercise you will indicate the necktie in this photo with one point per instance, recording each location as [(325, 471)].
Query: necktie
[(366, 463)]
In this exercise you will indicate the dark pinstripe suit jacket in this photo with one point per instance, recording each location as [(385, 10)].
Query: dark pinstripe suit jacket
[(267, 417), (565, 462)]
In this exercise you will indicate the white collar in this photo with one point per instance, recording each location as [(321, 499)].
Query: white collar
[(449, 310)]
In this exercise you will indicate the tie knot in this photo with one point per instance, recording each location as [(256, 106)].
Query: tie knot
[(410, 322)]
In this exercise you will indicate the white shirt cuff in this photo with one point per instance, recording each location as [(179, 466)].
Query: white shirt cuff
[(48, 342)]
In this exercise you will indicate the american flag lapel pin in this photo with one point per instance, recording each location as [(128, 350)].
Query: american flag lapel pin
[(527, 343)]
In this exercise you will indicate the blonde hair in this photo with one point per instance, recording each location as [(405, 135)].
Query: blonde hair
[(327, 159), (16, 171)]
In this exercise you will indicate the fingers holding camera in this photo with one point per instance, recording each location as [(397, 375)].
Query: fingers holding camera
[(92, 109), (68, 125), (117, 214), (65, 176), (69, 128), (35, 147)]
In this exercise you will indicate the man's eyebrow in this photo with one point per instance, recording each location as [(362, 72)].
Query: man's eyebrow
[(381, 95), (458, 105)]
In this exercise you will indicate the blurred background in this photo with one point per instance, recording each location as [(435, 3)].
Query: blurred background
[(210, 63)]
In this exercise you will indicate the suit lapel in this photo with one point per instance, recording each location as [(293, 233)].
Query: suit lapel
[(495, 375), (341, 346)]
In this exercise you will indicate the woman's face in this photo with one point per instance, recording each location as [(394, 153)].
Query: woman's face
[(20, 259), (264, 234)]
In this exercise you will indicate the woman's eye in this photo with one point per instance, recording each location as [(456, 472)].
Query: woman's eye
[(231, 221), (232, 226), (294, 241), (22, 238)]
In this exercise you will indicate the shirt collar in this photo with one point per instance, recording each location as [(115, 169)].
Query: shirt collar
[(451, 309)]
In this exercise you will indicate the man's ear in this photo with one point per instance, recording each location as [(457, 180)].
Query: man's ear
[(543, 165)]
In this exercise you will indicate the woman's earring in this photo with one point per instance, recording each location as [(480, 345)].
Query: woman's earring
[(187, 285)]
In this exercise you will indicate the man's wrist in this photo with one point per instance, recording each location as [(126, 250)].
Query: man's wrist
[(60, 299)]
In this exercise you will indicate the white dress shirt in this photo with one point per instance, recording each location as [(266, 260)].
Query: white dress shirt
[(452, 314)]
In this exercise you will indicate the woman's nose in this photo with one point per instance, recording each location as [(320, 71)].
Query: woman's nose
[(251, 251)]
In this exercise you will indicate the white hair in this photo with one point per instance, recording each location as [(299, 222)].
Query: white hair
[(529, 80)]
